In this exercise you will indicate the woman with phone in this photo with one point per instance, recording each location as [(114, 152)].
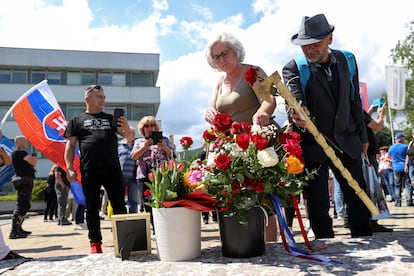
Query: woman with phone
[(149, 151)]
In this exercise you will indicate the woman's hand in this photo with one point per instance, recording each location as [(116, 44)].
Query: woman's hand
[(261, 118), (211, 112)]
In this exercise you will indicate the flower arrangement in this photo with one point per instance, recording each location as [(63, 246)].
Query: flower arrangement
[(247, 163), (166, 183), (171, 185)]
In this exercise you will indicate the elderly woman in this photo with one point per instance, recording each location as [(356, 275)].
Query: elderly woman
[(232, 93), (149, 151)]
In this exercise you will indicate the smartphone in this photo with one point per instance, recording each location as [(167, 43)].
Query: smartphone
[(378, 103), (156, 136), (118, 112)]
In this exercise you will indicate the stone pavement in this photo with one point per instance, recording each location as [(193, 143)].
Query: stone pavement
[(61, 250)]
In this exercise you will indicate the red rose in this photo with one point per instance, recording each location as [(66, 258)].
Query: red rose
[(235, 187), (251, 75), (259, 141), (186, 142), (208, 135), (223, 162), (293, 147), (259, 187), (243, 140), (238, 128), (250, 183), (223, 122), (147, 193)]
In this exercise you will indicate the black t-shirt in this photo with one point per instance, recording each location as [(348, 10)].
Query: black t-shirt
[(98, 143), (21, 167), (410, 154)]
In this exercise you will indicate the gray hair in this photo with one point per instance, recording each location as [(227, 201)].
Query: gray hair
[(232, 42)]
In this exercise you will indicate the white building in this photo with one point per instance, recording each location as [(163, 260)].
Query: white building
[(129, 81)]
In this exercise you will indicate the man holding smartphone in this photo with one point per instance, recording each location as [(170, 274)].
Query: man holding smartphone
[(98, 145)]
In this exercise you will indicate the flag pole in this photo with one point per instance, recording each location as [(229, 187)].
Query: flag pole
[(263, 88)]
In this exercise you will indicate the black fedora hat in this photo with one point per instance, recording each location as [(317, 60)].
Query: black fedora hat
[(312, 29)]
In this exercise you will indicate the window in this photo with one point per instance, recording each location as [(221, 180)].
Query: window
[(88, 78), (19, 77), (5, 76), (73, 110), (105, 78), (80, 78), (137, 112), (73, 78), (54, 77), (142, 79), (118, 79), (110, 110), (3, 111), (38, 76)]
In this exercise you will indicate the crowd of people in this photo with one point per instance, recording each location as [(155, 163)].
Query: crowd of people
[(121, 167)]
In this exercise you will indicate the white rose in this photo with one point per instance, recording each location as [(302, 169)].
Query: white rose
[(267, 157)]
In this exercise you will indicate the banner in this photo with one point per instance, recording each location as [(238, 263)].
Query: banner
[(395, 78), (6, 171), (42, 122)]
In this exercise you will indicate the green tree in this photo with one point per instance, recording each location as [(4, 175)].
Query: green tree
[(403, 54)]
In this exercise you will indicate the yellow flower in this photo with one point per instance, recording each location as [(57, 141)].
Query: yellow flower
[(294, 165)]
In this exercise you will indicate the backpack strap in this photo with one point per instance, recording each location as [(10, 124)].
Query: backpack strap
[(350, 60), (304, 72)]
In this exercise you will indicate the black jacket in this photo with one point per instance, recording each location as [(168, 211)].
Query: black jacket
[(340, 121)]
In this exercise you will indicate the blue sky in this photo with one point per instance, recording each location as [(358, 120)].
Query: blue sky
[(180, 29)]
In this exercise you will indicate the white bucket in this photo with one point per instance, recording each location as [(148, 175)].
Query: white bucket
[(177, 233)]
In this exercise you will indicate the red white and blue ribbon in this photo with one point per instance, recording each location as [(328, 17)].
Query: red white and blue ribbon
[(289, 242)]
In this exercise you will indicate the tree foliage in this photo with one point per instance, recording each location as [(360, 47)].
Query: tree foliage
[(403, 54)]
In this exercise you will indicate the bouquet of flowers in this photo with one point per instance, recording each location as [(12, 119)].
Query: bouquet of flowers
[(247, 163), (169, 187)]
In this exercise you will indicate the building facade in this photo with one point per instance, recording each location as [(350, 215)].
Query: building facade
[(129, 81)]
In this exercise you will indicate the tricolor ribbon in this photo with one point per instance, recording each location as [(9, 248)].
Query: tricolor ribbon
[(289, 242)]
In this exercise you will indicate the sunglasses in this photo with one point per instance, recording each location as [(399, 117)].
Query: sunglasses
[(222, 55), (92, 87)]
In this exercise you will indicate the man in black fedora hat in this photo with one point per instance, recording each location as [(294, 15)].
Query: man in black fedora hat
[(333, 103)]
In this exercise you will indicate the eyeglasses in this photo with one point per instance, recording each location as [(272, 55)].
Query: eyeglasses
[(222, 55), (150, 125)]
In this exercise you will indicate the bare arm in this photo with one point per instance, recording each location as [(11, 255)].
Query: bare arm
[(378, 124), (212, 111), (69, 158), (5, 157), (31, 160)]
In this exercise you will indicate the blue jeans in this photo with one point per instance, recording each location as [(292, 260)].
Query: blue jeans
[(401, 179), (132, 185), (388, 177), (339, 199)]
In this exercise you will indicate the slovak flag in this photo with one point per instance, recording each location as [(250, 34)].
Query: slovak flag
[(42, 122)]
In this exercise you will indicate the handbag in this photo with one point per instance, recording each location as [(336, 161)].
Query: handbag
[(374, 190)]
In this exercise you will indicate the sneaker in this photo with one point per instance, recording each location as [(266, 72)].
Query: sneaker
[(81, 226), (64, 222), (340, 217), (388, 198), (96, 247)]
